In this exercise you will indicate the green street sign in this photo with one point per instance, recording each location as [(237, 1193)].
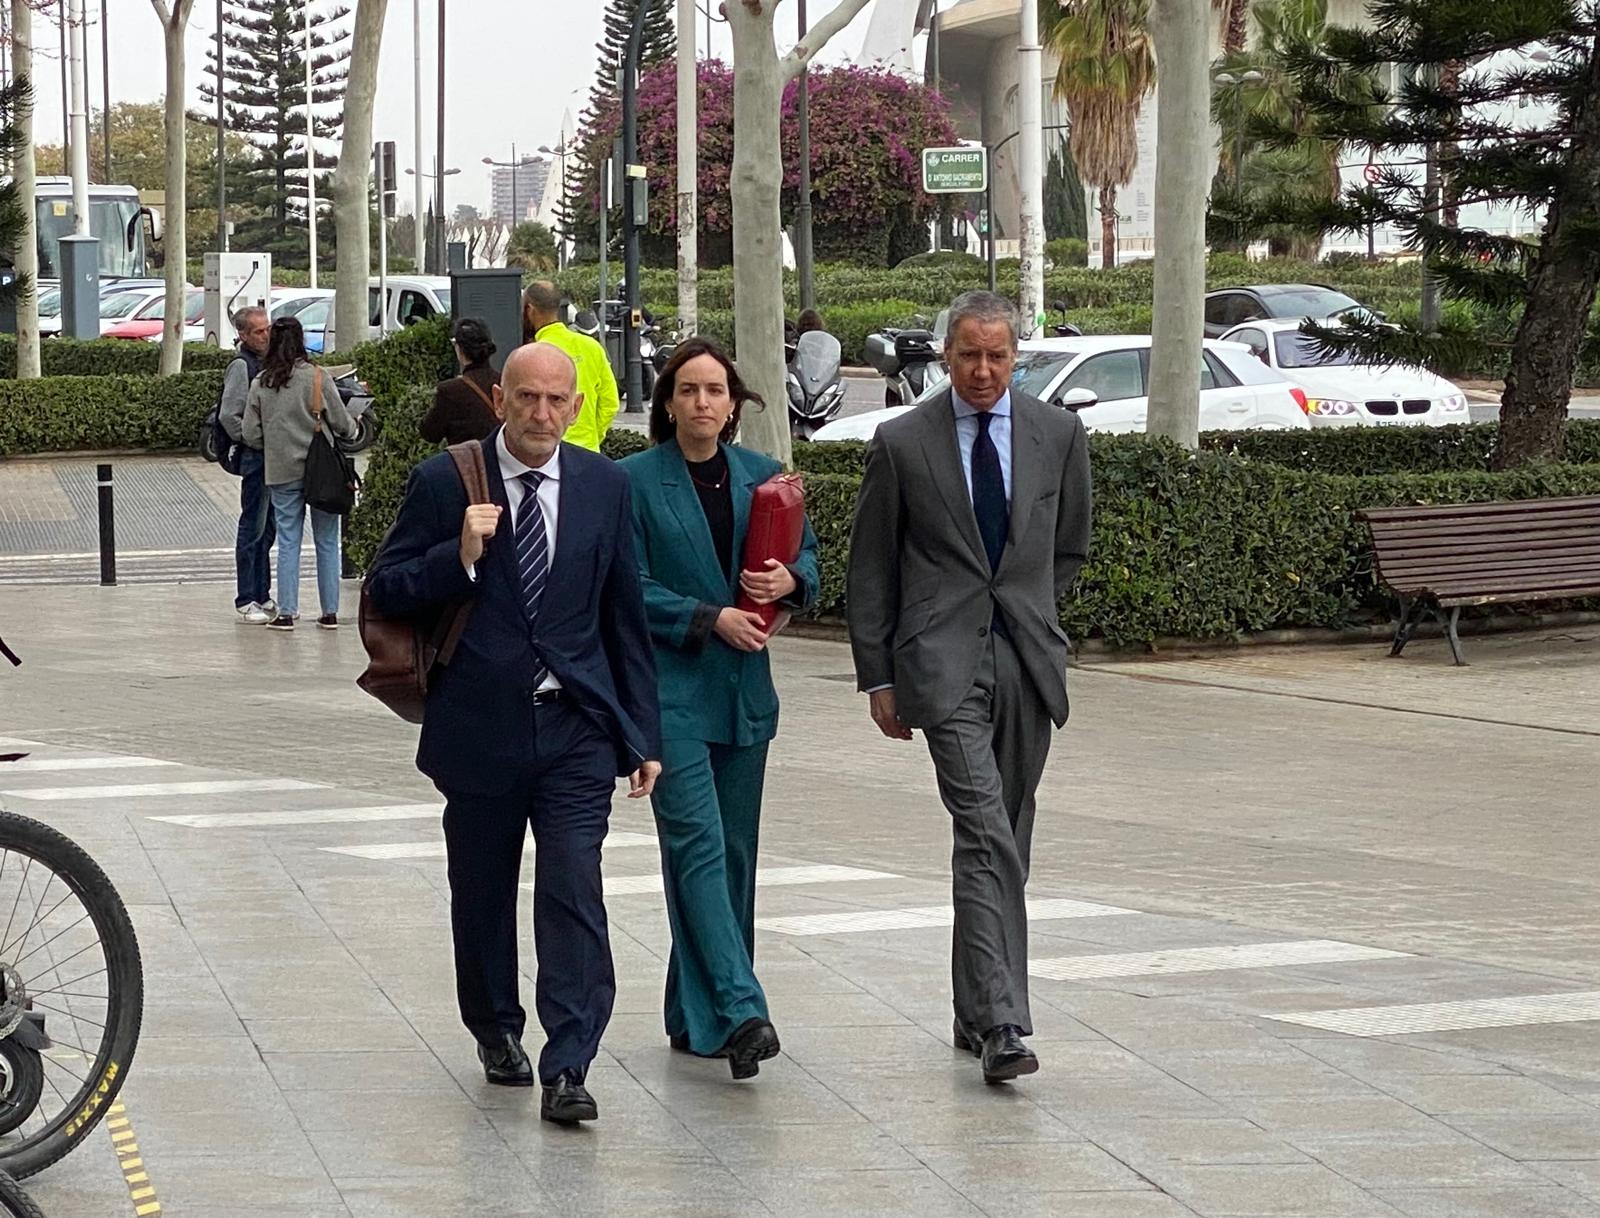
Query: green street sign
[(955, 171)]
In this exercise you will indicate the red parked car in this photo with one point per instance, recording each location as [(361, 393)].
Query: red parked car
[(147, 321)]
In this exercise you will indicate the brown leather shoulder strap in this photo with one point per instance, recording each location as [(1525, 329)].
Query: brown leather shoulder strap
[(478, 389), (316, 398), (468, 457)]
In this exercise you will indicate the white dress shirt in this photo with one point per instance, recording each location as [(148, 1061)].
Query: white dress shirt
[(511, 471), (999, 432)]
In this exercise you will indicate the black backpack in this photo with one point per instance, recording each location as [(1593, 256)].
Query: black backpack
[(215, 442)]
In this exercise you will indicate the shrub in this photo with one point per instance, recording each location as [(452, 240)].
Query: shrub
[(417, 355), (73, 413), (108, 357), (1067, 251), (958, 260)]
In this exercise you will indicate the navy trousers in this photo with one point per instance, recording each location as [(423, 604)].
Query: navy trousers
[(252, 546), (564, 792)]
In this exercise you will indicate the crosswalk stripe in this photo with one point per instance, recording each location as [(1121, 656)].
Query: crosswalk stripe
[(857, 921), (1572, 1007), (305, 816), (435, 850), (148, 790), (47, 765), (766, 877), (1206, 959)]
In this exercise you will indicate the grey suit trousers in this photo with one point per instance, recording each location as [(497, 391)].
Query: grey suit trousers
[(989, 756)]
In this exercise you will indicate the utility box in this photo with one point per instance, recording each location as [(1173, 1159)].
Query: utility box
[(234, 282), (8, 300), (80, 287), (493, 296)]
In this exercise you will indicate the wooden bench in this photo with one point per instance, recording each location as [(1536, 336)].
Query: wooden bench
[(1448, 557)]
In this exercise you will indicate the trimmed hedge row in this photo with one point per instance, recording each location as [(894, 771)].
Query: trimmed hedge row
[(70, 413), (1352, 451), (1185, 545), (108, 357)]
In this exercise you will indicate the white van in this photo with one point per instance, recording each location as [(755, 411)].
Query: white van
[(411, 298)]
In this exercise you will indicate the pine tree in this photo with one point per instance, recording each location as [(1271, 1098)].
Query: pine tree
[(264, 97), (583, 170), (15, 97), (1521, 131)]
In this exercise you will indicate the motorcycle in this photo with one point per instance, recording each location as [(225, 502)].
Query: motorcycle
[(815, 382), (1064, 328), (911, 360), (651, 337)]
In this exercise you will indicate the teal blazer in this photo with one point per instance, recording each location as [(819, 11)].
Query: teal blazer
[(709, 691)]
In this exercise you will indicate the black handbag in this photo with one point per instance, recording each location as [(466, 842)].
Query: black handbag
[(330, 478)]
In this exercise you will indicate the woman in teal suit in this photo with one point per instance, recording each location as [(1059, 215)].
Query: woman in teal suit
[(719, 711)]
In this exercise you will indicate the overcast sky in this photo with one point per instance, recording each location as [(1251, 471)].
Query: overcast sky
[(514, 68)]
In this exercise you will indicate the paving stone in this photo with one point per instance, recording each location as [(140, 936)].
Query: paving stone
[(1490, 1203), (1276, 1190)]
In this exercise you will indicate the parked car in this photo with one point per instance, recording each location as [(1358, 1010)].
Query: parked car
[(314, 316), (1230, 307), (122, 306), (1342, 393), (1105, 378), (412, 298), (50, 298), (287, 302), (149, 318)]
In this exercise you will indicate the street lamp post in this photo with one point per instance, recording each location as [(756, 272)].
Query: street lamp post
[(1235, 85), (560, 153), (802, 220), (992, 151), (438, 177)]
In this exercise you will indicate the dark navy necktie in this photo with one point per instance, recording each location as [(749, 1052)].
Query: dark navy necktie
[(533, 553), (989, 493)]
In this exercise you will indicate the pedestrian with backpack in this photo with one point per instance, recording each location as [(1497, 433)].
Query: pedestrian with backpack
[(252, 547), (293, 406)]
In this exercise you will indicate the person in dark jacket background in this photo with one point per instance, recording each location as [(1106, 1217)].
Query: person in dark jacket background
[(463, 406)]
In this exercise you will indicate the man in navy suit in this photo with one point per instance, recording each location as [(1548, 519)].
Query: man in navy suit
[(550, 696)]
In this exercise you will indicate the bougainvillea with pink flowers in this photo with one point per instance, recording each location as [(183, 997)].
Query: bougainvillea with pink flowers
[(868, 128)]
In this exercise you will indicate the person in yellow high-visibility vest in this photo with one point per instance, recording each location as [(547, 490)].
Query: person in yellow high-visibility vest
[(541, 322)]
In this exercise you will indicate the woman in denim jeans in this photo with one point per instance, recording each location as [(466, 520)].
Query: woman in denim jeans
[(278, 420)]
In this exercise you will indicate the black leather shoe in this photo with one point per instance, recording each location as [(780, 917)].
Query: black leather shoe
[(1005, 1056), (965, 1039), (506, 1065), (566, 1101), (753, 1042)]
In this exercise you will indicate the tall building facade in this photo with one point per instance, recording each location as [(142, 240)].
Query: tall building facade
[(516, 194)]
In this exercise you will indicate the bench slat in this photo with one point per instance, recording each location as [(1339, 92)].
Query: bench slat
[(1526, 581), (1488, 528), (1420, 574), (1450, 510), (1444, 547), (1518, 596)]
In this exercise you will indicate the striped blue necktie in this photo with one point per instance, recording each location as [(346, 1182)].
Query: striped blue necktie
[(533, 545)]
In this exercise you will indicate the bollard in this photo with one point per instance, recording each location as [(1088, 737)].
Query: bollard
[(108, 530)]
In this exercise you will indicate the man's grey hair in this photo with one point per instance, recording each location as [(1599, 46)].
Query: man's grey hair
[(243, 318), (984, 308)]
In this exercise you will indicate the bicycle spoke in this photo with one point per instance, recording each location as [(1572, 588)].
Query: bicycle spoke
[(74, 1073), (4, 951), (21, 884), (74, 981), (52, 939), (44, 1006)]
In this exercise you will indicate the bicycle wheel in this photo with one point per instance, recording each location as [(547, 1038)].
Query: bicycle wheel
[(14, 1201), (71, 994)]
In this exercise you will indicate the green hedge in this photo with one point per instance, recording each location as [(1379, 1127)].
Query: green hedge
[(68, 413), (107, 357), (1356, 451), (417, 355)]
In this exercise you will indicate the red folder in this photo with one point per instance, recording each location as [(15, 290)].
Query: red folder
[(777, 526)]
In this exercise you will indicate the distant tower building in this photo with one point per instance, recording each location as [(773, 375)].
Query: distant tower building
[(529, 177)]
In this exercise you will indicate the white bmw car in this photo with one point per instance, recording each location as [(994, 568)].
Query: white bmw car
[(1341, 393), (1105, 379)]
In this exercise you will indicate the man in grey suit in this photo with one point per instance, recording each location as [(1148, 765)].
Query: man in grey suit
[(972, 523)]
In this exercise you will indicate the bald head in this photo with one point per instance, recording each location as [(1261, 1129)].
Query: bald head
[(538, 398), (541, 306)]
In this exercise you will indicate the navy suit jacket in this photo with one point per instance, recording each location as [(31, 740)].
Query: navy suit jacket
[(590, 631)]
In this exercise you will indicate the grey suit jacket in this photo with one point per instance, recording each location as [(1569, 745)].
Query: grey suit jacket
[(920, 593)]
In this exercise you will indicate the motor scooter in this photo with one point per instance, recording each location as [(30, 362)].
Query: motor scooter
[(815, 382)]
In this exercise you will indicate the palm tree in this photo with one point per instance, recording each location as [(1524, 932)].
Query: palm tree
[(532, 247), (1106, 67), (1235, 24)]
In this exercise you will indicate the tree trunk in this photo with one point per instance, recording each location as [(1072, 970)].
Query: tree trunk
[(688, 172), (1184, 164), (351, 213), (26, 175), (1561, 289), (1108, 227), (1236, 29), (177, 205), (1450, 211), (755, 184)]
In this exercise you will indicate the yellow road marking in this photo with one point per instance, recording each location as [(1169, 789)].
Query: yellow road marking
[(140, 1191)]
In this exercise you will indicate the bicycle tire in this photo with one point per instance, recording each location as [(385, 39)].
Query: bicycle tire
[(125, 992), (14, 1201)]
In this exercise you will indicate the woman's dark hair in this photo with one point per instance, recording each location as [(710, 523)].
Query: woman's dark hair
[(808, 321), (472, 336), (285, 349), (662, 427)]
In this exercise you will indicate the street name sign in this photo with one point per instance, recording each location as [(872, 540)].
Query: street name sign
[(955, 171)]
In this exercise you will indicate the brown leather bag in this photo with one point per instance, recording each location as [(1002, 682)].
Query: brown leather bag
[(401, 655)]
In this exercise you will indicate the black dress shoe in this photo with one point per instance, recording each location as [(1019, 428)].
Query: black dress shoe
[(965, 1039), (753, 1042), (566, 1101), (506, 1065), (1005, 1056)]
